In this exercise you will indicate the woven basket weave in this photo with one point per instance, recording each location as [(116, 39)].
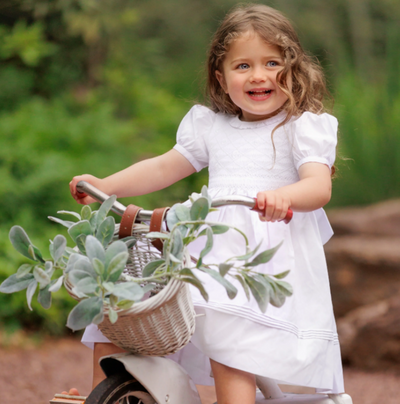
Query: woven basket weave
[(159, 325)]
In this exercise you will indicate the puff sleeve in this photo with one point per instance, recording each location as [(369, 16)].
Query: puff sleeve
[(192, 136), (314, 139)]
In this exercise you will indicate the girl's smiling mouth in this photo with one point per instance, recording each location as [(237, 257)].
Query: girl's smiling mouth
[(259, 94)]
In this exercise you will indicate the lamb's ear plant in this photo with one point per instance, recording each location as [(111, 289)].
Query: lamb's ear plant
[(94, 268), (187, 224)]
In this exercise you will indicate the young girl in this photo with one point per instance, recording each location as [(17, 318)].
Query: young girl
[(264, 135)]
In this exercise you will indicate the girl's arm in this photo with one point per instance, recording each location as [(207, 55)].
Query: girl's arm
[(312, 192), (141, 178)]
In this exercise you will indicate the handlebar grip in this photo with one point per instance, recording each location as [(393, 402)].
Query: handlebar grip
[(287, 218)]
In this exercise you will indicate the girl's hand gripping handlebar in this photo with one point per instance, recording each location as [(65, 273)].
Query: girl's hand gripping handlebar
[(287, 218), (119, 209)]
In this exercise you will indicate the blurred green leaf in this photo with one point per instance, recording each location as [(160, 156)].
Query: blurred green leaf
[(84, 313)]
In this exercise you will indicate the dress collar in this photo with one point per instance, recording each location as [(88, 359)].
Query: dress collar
[(237, 123)]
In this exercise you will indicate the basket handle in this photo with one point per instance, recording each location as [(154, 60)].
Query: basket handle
[(128, 220), (156, 221)]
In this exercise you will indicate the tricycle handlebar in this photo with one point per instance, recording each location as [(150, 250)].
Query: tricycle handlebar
[(119, 209)]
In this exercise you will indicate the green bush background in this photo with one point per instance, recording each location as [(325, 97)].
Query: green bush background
[(92, 86)]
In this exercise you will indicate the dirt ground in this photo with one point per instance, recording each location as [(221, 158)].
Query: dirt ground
[(32, 374)]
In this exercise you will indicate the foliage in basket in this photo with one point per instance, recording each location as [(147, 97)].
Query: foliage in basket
[(94, 269)]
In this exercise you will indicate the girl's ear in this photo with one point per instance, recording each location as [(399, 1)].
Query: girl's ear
[(221, 80)]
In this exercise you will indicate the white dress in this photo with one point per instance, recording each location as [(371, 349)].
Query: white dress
[(297, 343)]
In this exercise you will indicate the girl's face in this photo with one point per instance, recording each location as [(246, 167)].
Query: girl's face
[(249, 77)]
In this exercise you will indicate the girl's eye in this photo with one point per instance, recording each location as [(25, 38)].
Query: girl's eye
[(272, 63), (243, 66)]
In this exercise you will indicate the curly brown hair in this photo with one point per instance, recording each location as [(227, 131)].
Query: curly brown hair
[(308, 82)]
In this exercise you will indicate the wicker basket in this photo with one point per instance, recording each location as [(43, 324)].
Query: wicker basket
[(159, 325)]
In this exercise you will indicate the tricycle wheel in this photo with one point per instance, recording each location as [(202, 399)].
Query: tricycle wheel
[(120, 388)]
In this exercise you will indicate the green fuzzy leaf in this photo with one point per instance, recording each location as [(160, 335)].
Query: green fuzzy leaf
[(263, 257), (209, 243), (44, 297), (183, 230), (30, 291), (37, 254), (73, 259), (116, 266), (149, 269), (128, 291), (224, 268), (55, 287), (31, 252), (177, 245), (204, 192), (86, 286), (82, 227), (14, 284), (277, 297), (125, 304), (57, 247), (98, 266), (99, 318), (86, 212), (84, 265), (174, 259), (41, 276), (105, 209), (68, 212), (282, 274), (259, 291), (20, 241), (248, 255), (81, 243), (105, 231), (172, 218), (129, 241), (244, 285), (182, 212), (157, 234), (93, 220), (108, 286), (148, 287), (114, 249), (219, 229), (65, 223), (112, 315), (186, 275), (113, 300), (285, 287), (165, 249), (49, 268), (76, 275), (23, 270), (194, 196), (200, 208), (84, 313), (94, 249), (230, 288)]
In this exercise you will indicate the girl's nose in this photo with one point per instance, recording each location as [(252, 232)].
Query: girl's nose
[(258, 75)]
